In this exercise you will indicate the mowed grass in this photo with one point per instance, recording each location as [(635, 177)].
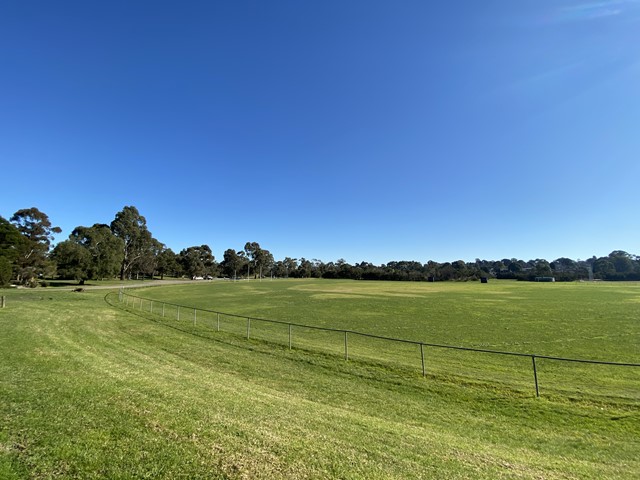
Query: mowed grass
[(595, 321), (92, 391)]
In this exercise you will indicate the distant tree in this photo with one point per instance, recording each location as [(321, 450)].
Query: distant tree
[(542, 268), (104, 248), (73, 261), (252, 252), (263, 261), (131, 228), (6, 271), (36, 229), (305, 268), (603, 268), (290, 265), (231, 263), (197, 261), (11, 240), (622, 261), (147, 263), (167, 263)]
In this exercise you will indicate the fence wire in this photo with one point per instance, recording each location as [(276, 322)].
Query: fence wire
[(517, 371)]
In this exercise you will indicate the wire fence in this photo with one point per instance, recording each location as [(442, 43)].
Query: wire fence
[(518, 371)]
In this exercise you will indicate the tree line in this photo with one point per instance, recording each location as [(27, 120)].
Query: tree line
[(126, 249)]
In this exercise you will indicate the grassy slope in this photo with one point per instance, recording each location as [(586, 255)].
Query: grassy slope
[(91, 391)]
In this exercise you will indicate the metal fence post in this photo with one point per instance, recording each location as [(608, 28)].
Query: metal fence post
[(178, 313), (194, 317), (535, 374), (218, 320), (424, 373), (289, 336), (151, 307), (163, 309), (248, 327)]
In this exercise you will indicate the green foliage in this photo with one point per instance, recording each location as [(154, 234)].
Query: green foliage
[(128, 244), (6, 271), (232, 263), (131, 228), (37, 234), (197, 261), (167, 263), (73, 260), (10, 240), (104, 248)]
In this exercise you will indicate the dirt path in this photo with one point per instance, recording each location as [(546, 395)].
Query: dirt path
[(139, 284)]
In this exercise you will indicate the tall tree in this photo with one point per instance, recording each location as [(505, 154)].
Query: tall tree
[(104, 248), (167, 263), (259, 258), (232, 262), (73, 261), (131, 227), (10, 240), (252, 251), (197, 261), (38, 232), (147, 263)]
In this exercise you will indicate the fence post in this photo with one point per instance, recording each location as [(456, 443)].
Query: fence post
[(346, 347), (289, 336), (178, 313), (140, 304), (424, 373), (248, 327), (151, 307), (535, 374), (218, 320), (163, 309), (194, 317), (2, 302)]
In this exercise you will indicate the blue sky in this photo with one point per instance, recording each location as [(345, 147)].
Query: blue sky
[(364, 130)]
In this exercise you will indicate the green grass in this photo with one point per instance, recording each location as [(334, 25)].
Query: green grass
[(92, 391), (597, 321)]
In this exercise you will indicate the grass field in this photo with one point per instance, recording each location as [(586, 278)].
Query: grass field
[(88, 390), (577, 320)]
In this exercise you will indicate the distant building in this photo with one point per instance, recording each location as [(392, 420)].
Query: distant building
[(545, 279)]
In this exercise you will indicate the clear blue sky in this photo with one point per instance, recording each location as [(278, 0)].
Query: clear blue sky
[(364, 130)]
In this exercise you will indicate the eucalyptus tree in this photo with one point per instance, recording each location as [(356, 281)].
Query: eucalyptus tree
[(104, 248), (38, 233), (232, 262), (258, 257), (167, 263), (197, 261), (131, 228), (252, 252), (73, 261), (10, 240)]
